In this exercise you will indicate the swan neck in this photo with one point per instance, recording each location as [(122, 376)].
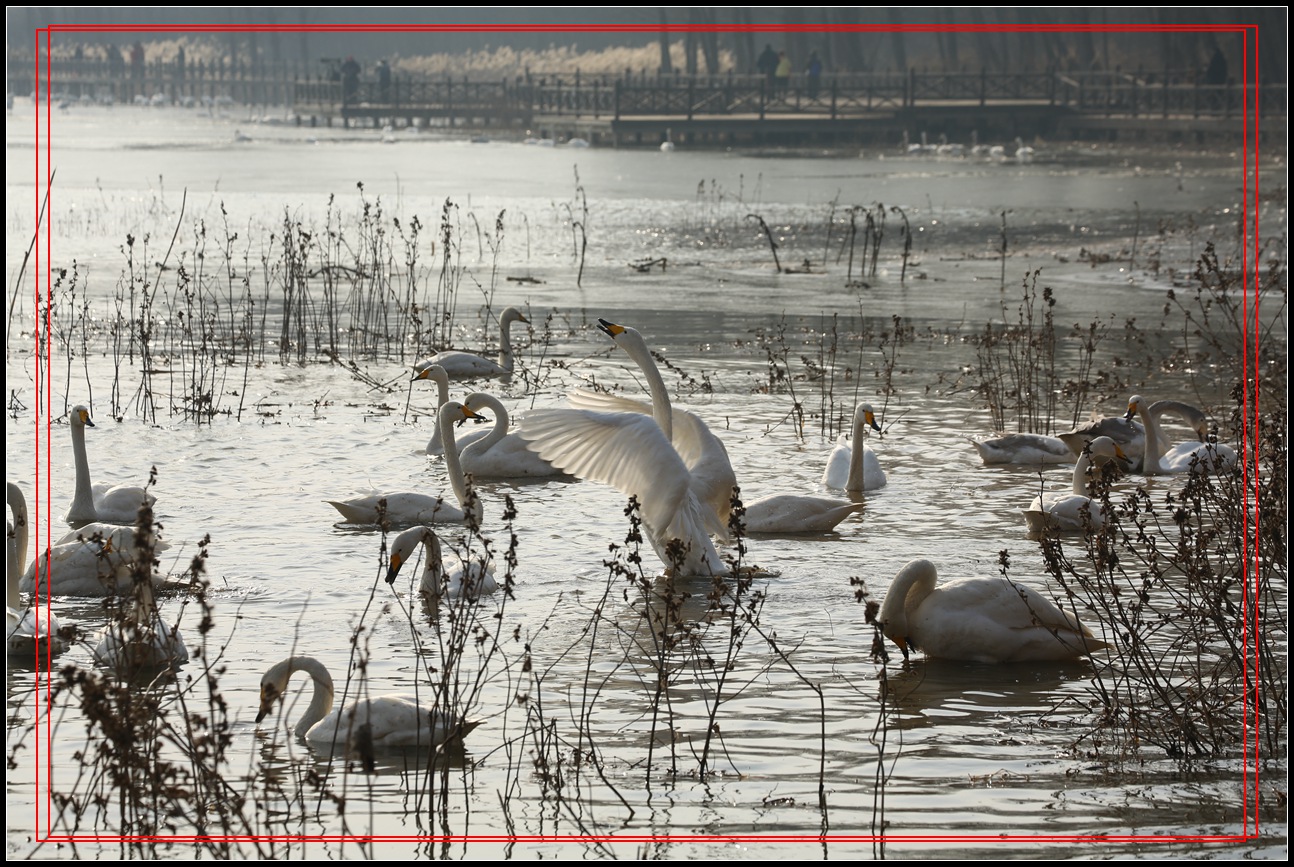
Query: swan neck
[(321, 700), (857, 456), (18, 549), (505, 343), (82, 508), (500, 429), (1080, 475), (907, 590), (1150, 462), (454, 468), (661, 408)]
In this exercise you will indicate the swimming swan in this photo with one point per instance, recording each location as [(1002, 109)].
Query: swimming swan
[(854, 467), (791, 513), (29, 630), (1077, 510), (979, 620), (674, 470), (98, 562), (435, 373), (1130, 435), (141, 638), (500, 455), (116, 504), (1023, 448), (407, 507), (440, 579), (467, 365), (382, 722), (1182, 458)]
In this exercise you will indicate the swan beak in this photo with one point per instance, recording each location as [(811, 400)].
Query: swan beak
[(521, 317), (610, 329), (1119, 453), (420, 374), (85, 419), (903, 646), (394, 570), (467, 411), (1132, 410), (268, 694), (871, 420)]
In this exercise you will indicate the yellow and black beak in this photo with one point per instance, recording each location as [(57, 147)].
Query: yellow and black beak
[(394, 569), (610, 329)]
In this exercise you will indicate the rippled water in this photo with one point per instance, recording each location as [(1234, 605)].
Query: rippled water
[(974, 752)]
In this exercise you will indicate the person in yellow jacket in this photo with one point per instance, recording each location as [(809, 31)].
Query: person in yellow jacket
[(782, 76)]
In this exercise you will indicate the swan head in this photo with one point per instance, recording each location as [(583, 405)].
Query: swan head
[(481, 399), (1134, 406), (512, 314), (865, 415), (433, 372), (625, 337), (81, 416), (404, 546), (1106, 450)]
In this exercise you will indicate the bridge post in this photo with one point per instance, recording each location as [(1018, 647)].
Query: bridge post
[(763, 96), (691, 95), (910, 89), (983, 86), (615, 102), (834, 85)]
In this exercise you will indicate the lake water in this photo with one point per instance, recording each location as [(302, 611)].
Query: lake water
[(976, 760)]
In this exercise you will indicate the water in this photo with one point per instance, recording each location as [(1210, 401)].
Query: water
[(974, 752)]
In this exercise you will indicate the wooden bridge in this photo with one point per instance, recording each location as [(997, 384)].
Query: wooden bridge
[(854, 108), (717, 110)]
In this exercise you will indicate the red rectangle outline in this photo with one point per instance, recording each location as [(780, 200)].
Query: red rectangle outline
[(1249, 403)]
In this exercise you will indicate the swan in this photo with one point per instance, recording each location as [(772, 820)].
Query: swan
[(1023, 153), (98, 562), (407, 507), (1182, 458), (141, 638), (667, 145), (1077, 510), (1023, 448), (792, 513), (467, 365), (382, 722), (117, 504), (472, 579), (29, 631), (855, 467), (437, 374), (500, 455), (979, 620), (1131, 435), (668, 460), (703, 453)]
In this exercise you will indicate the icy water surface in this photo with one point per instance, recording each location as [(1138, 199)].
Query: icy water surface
[(971, 751)]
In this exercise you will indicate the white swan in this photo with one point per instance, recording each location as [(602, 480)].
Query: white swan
[(407, 507), (29, 631), (1182, 458), (117, 504), (855, 467), (472, 579), (792, 513), (467, 365), (1023, 448), (435, 373), (98, 562), (1077, 510), (704, 454), (1023, 153), (385, 721), (500, 455), (141, 638), (669, 461), (979, 620)]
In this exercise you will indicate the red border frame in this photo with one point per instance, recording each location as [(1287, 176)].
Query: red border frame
[(1249, 402)]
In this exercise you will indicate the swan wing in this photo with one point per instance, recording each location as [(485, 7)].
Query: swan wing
[(1023, 448), (625, 450), (466, 365), (402, 507), (388, 721), (509, 458)]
